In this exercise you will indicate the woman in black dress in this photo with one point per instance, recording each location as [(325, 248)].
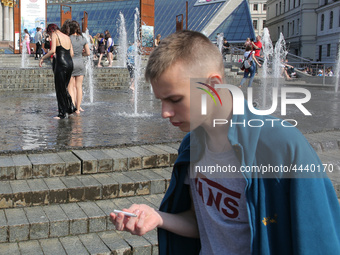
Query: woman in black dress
[(62, 67)]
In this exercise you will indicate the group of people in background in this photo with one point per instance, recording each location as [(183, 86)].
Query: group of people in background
[(103, 44), (67, 48), (253, 54)]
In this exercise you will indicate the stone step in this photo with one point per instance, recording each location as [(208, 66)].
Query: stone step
[(66, 220), (101, 243), (71, 189), (87, 161)]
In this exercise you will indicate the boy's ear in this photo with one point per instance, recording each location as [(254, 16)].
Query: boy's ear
[(214, 79)]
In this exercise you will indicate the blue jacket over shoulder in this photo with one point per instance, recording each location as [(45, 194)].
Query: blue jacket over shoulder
[(286, 215)]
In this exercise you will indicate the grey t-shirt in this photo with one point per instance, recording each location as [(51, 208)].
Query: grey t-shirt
[(220, 206), (78, 43)]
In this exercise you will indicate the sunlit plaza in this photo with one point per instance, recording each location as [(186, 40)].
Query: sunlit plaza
[(60, 179)]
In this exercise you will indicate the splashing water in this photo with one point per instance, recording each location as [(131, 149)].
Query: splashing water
[(24, 55), (280, 54), (122, 50), (220, 41), (89, 65), (267, 49), (137, 58)]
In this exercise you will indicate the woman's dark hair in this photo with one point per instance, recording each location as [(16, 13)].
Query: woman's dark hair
[(66, 27), (26, 31), (74, 28), (107, 36), (101, 35), (51, 28), (248, 48)]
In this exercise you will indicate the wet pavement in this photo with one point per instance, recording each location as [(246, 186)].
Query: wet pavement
[(27, 122)]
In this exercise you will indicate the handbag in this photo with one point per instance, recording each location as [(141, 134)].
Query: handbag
[(246, 63)]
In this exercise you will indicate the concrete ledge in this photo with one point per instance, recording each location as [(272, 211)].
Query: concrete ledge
[(70, 189), (78, 162)]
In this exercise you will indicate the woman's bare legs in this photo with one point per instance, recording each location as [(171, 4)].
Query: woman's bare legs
[(79, 92), (99, 60), (71, 88), (109, 57)]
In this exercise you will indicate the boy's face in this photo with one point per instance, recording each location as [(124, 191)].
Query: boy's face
[(173, 89)]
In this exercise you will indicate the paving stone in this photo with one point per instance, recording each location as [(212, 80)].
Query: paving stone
[(23, 167), (94, 244), (30, 248), (163, 157), (107, 206), (18, 225), (39, 224), (157, 182), (88, 162), (127, 187), (57, 164), (316, 146), (40, 192), (121, 203), (174, 145), (75, 188), (134, 159), (73, 245), (329, 145), (105, 162), (39, 168), (3, 227), (120, 162), (22, 194), (9, 248), (115, 242), (78, 219), (72, 163), (59, 222), (57, 190), (173, 153), (7, 168), (92, 187), (96, 217), (140, 200), (155, 199), (138, 243), (110, 187), (165, 173), (142, 182), (149, 159), (6, 195), (152, 238), (52, 247)]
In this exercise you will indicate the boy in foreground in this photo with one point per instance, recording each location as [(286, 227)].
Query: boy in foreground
[(231, 212)]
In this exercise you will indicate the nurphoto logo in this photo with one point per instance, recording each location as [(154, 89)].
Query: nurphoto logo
[(238, 103)]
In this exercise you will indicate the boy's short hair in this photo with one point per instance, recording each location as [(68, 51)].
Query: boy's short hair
[(190, 47)]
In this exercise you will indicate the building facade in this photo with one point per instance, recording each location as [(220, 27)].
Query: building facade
[(297, 21), (258, 12), (328, 30)]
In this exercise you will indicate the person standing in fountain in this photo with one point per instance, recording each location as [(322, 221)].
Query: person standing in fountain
[(110, 45), (101, 48), (27, 41), (131, 52), (62, 67), (250, 71), (80, 49), (38, 43)]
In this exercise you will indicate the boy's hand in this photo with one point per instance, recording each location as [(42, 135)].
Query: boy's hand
[(147, 219)]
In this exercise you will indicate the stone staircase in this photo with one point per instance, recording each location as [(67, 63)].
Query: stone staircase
[(59, 203)]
